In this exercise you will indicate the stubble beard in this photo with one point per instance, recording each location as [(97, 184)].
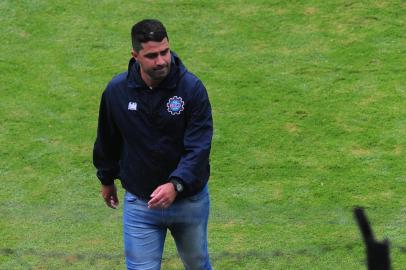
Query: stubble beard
[(160, 73)]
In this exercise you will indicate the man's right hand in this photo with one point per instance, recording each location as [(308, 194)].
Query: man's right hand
[(109, 194)]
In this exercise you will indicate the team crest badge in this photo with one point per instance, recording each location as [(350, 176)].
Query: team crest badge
[(175, 105)]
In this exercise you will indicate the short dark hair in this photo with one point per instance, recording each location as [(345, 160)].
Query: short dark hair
[(147, 30)]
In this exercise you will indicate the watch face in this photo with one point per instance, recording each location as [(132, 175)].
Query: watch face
[(179, 187)]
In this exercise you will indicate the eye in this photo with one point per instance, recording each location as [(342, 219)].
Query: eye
[(151, 55), (165, 52)]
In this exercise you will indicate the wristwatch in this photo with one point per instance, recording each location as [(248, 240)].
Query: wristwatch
[(177, 185)]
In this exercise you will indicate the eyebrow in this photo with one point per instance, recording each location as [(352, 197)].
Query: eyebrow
[(154, 54)]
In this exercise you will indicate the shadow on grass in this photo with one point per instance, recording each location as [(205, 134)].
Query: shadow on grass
[(94, 258)]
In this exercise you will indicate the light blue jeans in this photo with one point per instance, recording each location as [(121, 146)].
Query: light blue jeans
[(145, 231)]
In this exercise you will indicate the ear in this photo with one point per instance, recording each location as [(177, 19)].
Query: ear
[(134, 54)]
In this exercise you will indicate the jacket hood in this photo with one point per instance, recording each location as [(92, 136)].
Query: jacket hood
[(176, 72)]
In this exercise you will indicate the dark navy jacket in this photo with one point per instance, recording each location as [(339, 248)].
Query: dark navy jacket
[(145, 137)]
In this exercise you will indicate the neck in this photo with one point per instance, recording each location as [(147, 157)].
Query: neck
[(147, 79), (150, 82)]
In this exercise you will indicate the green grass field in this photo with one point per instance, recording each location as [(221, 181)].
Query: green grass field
[(309, 104)]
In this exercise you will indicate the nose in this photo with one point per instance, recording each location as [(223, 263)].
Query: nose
[(160, 60)]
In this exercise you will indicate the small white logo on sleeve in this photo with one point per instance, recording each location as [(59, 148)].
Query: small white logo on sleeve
[(132, 106)]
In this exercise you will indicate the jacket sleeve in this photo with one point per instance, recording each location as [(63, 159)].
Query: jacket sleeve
[(107, 148), (193, 167)]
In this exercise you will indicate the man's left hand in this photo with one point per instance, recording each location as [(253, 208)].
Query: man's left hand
[(163, 196)]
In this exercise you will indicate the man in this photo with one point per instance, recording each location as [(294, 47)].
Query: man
[(154, 134)]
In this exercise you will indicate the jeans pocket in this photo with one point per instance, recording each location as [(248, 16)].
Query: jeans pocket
[(130, 198), (199, 196)]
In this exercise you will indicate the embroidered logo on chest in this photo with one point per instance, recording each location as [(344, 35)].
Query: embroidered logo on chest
[(175, 105)]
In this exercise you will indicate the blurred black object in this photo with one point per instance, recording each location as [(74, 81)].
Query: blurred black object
[(377, 252)]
